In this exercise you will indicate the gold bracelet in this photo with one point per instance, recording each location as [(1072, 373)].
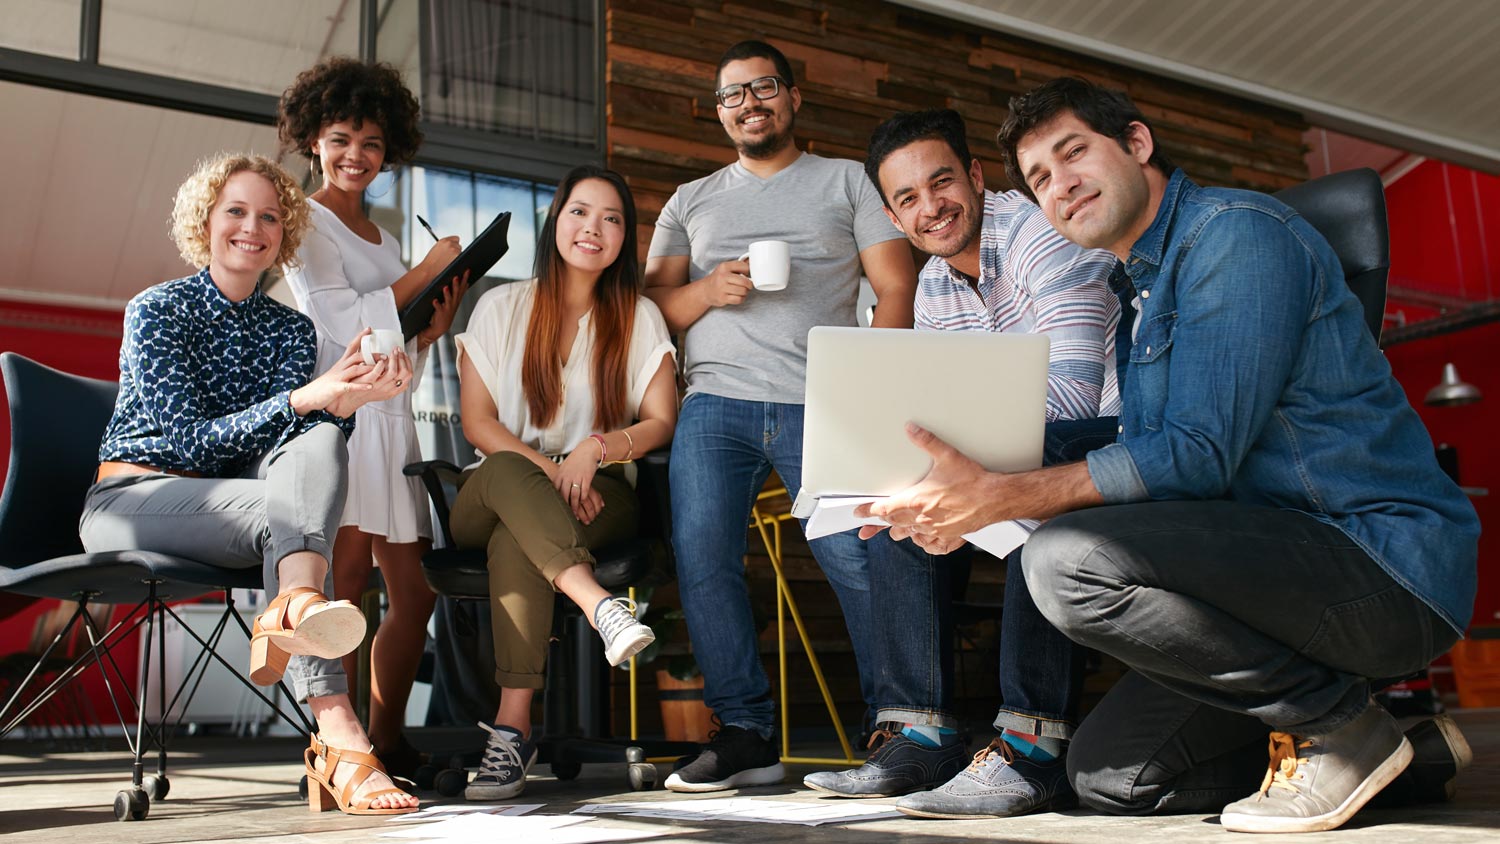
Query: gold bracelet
[(631, 440)]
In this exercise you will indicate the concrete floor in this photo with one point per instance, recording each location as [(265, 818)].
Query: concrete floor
[(67, 797)]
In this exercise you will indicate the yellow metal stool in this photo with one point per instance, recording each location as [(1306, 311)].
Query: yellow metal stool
[(769, 526)]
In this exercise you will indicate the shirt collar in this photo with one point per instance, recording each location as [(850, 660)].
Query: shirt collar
[(212, 303), (1150, 245), (987, 222)]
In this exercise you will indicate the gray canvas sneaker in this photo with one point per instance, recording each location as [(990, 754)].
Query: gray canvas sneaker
[(624, 636), (1319, 782), (898, 765), (502, 771)]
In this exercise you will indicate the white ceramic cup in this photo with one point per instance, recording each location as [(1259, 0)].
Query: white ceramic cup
[(381, 341), (770, 264)]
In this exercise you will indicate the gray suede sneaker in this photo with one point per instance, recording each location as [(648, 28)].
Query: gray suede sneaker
[(999, 783), (898, 765), (1319, 782)]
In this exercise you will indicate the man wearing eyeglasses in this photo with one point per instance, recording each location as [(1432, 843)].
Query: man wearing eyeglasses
[(745, 353)]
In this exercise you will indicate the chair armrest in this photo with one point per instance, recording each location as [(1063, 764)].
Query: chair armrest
[(433, 473)]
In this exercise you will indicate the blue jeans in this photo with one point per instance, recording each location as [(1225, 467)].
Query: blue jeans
[(1041, 670), (722, 452)]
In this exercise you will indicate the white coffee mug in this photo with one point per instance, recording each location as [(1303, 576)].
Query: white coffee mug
[(770, 264), (381, 341)]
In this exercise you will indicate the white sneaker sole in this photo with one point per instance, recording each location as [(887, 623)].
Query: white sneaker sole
[(628, 644), (769, 775), (1378, 779)]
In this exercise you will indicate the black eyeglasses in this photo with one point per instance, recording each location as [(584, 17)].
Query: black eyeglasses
[(764, 88)]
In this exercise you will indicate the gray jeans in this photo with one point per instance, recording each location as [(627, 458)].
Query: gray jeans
[(289, 501), (1235, 620)]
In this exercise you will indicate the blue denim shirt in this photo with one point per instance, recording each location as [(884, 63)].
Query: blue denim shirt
[(205, 383), (1254, 378)]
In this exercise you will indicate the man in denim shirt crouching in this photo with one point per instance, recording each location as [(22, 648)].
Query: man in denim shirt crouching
[(1271, 536)]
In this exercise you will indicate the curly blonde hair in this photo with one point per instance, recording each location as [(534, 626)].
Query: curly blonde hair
[(198, 195)]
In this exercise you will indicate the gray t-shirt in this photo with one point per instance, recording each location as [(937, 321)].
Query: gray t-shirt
[(828, 212)]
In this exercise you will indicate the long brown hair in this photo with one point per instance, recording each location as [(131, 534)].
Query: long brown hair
[(615, 295)]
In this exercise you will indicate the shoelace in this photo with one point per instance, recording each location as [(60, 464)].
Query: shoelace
[(878, 740), (618, 615), (996, 747), (1285, 763), (498, 751)]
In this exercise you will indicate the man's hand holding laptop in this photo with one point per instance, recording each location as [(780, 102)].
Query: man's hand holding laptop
[(958, 496)]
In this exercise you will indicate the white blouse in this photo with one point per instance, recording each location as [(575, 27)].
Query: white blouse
[(496, 344)]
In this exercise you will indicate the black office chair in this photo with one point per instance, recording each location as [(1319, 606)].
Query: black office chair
[(56, 422), (575, 701), (1348, 209)]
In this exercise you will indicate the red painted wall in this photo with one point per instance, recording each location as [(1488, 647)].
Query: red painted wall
[(85, 341), (1445, 238)]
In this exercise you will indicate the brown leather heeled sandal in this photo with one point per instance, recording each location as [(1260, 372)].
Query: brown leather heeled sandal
[(316, 627), (322, 795)]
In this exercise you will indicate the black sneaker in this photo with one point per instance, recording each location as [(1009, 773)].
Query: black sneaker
[(897, 766), (1439, 753), (734, 757)]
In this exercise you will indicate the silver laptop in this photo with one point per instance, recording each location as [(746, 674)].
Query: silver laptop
[(981, 392)]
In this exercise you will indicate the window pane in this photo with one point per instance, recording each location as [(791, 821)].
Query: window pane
[(257, 47), (104, 171), (42, 26), (516, 67), (495, 195)]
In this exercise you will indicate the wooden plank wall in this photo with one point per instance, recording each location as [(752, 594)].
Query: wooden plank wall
[(856, 64)]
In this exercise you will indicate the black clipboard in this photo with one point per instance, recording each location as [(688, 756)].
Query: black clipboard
[(478, 258)]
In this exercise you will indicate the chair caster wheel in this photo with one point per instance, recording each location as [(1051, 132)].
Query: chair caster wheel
[(642, 776), (450, 782), (302, 787), (156, 786), (566, 770), (425, 776), (132, 805)]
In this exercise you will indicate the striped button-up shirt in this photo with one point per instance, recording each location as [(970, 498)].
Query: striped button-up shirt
[(1033, 280)]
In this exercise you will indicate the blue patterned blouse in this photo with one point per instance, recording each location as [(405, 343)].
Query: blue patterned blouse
[(205, 383)]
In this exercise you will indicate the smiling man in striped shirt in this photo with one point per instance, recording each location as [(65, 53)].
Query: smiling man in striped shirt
[(996, 265)]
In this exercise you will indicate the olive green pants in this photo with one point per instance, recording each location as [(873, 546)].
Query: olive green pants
[(509, 507)]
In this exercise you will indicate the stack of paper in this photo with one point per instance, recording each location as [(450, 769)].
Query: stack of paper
[(533, 829), (748, 810), (835, 514)]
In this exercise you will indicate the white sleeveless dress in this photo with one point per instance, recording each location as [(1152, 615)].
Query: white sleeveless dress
[(344, 285)]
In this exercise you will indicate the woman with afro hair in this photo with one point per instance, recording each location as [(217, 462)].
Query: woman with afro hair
[(354, 120)]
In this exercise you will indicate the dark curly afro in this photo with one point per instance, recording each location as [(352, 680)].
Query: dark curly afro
[(340, 88)]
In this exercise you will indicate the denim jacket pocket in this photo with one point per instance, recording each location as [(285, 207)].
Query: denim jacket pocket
[(1149, 372)]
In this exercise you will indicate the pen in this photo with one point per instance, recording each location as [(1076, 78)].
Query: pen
[(428, 228)]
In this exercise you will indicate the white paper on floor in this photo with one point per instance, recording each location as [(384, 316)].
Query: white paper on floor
[(533, 829), (437, 813), (747, 809)]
